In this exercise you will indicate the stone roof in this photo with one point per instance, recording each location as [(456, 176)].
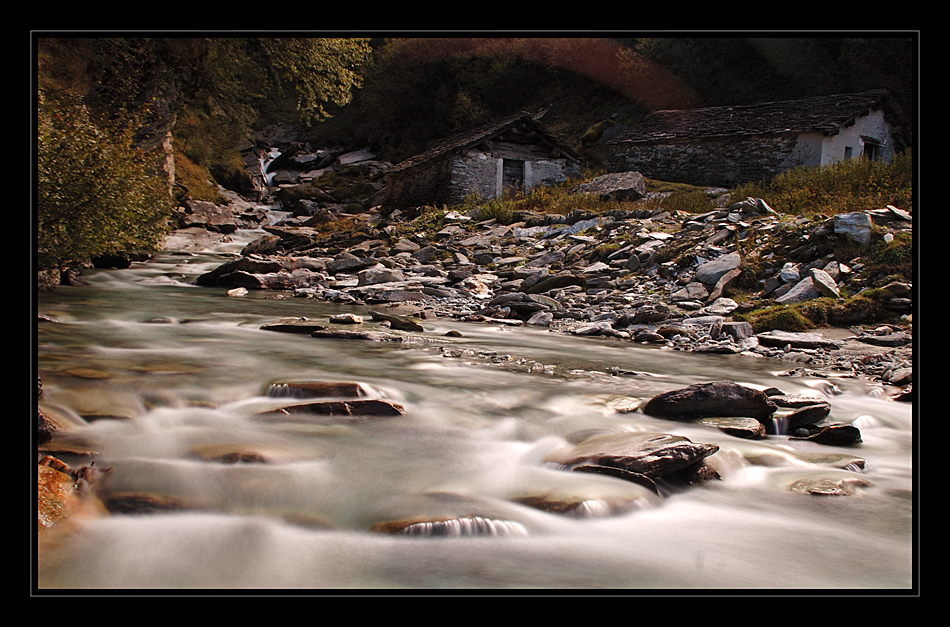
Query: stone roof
[(826, 114), (472, 138)]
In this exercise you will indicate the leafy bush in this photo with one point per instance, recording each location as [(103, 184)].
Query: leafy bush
[(96, 192)]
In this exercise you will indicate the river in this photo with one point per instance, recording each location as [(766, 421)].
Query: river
[(180, 373)]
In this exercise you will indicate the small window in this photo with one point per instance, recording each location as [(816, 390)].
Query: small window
[(847, 152), (872, 150)]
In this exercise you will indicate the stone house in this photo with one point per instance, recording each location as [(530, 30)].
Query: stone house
[(513, 154), (726, 146)]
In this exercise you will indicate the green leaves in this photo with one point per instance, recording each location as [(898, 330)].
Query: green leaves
[(96, 191)]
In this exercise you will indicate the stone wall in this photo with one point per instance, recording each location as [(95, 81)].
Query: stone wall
[(473, 171), (548, 172), (721, 162), (419, 186)]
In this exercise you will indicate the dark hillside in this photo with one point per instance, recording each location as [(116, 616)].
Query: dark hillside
[(418, 90)]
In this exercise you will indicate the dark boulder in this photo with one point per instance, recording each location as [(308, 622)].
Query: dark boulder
[(808, 415), (220, 276), (718, 398), (652, 455), (361, 407), (746, 428), (833, 434), (296, 326)]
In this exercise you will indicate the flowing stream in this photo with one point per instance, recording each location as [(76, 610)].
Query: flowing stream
[(178, 375)]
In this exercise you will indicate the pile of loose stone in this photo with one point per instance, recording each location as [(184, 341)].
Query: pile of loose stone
[(654, 277)]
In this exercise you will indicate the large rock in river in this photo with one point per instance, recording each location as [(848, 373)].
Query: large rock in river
[(652, 455), (718, 398)]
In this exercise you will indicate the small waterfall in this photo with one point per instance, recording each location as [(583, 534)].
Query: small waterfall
[(466, 527), (778, 425), (318, 390), (265, 163)]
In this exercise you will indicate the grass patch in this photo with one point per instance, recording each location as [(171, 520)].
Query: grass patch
[(852, 185), (194, 181), (892, 260), (868, 307), (688, 201), (776, 318), (558, 199)]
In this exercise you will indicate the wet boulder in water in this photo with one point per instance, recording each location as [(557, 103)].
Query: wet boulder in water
[(620, 473), (296, 325), (401, 323), (652, 455), (143, 503), (794, 401), (361, 407), (830, 485), (808, 415), (222, 275), (833, 435), (239, 457), (747, 428), (371, 336), (718, 398)]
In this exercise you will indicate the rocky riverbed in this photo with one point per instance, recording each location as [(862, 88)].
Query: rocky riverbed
[(673, 280), (680, 281)]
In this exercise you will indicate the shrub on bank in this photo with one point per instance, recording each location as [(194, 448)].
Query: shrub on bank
[(852, 185), (97, 192)]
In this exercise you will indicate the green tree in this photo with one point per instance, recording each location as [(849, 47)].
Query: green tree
[(96, 193), (224, 87)]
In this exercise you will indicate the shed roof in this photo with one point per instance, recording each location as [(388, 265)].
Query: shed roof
[(826, 114), (472, 138)]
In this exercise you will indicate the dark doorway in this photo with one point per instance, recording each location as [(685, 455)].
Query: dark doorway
[(512, 175)]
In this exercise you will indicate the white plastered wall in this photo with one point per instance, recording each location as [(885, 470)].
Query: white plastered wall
[(872, 126)]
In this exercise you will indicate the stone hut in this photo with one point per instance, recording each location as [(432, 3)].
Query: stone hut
[(726, 146), (515, 153)]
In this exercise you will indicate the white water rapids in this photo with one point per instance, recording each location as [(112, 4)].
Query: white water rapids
[(180, 374)]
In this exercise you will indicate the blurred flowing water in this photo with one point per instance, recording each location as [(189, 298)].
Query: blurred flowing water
[(178, 375)]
